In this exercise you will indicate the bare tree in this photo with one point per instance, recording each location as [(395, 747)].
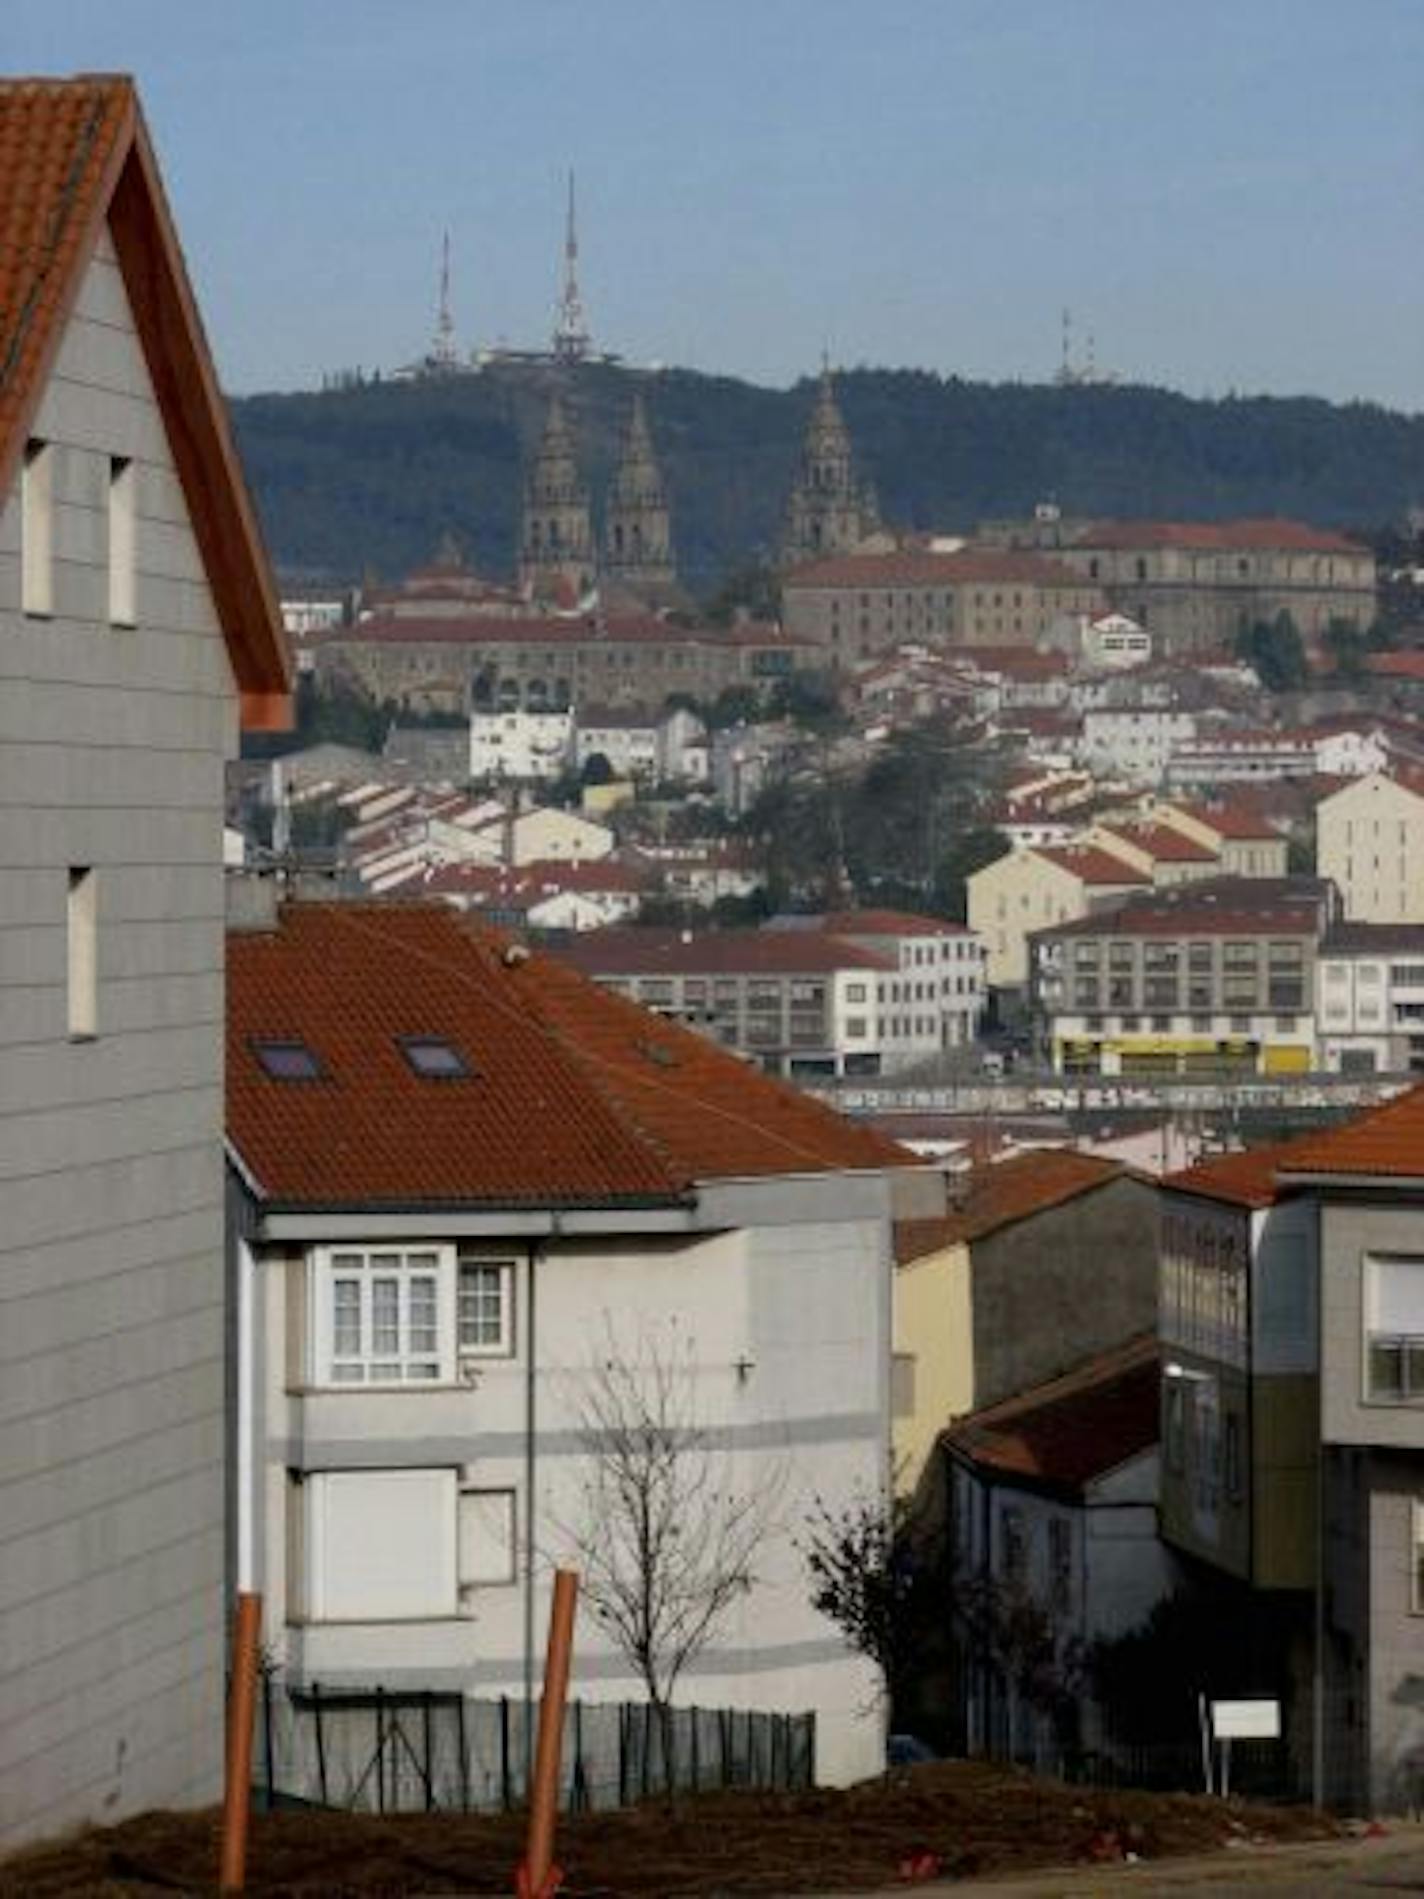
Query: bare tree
[(666, 1542)]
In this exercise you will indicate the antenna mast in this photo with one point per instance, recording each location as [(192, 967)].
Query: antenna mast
[(570, 332), (443, 355)]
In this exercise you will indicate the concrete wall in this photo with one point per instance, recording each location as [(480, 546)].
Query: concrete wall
[(783, 1330), (112, 742), (933, 1328), (1053, 1289)]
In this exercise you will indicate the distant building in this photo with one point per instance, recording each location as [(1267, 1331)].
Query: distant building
[(556, 552), (1134, 742), (637, 531), (1029, 889), (1369, 840), (830, 510), (521, 746), (1369, 999)]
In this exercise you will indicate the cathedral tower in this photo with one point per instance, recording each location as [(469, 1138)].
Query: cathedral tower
[(828, 510), (637, 539), (556, 538)]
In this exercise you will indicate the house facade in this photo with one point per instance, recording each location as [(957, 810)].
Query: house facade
[(466, 1183), (1369, 840), (1369, 998), (137, 626)]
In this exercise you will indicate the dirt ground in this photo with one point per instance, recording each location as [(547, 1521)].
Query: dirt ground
[(951, 1819)]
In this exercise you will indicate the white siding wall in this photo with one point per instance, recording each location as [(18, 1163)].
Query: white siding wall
[(111, 1499)]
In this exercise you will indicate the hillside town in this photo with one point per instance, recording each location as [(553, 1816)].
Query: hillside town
[(877, 1117)]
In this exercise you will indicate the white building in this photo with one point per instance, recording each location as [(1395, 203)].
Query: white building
[(138, 626), (1369, 840), (943, 962), (1369, 998), (1133, 743), (523, 747), (514, 1178)]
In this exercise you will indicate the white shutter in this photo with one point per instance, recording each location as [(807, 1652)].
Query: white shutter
[(382, 1545), (1396, 1297)]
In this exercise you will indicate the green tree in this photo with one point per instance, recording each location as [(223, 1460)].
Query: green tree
[(596, 770), (1276, 653)]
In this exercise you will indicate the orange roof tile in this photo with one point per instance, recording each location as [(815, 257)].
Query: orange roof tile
[(1244, 1179), (576, 1097), (1385, 1143), (1162, 843), (1222, 536), (1060, 1435), (653, 951), (1007, 1191), (1094, 866), (75, 155)]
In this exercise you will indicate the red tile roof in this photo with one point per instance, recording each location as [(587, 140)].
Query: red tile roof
[(477, 629), (1219, 536), (1245, 1179), (1005, 1192), (872, 923), (655, 952), (1061, 1435), (1386, 1143), (74, 156), (1237, 820), (1163, 843), (1092, 865), (1396, 665), (576, 1097)]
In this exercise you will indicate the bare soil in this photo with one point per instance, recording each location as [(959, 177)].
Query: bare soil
[(950, 1819)]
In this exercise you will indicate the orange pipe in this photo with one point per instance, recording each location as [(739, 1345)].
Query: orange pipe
[(237, 1793), (538, 1875)]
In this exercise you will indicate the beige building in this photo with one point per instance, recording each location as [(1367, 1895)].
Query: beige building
[(137, 625), (854, 606), (1369, 840), (1194, 584), (1030, 888)]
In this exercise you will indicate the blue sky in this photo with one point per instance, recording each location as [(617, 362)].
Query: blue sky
[(1225, 192)]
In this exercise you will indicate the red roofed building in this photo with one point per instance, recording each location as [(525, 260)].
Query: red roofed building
[(1050, 1499), (1193, 584), (468, 1179), (138, 628)]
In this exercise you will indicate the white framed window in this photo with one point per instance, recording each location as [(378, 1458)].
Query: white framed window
[(485, 1308), (123, 541), (37, 529), (1394, 1330), (384, 1315), (488, 1538)]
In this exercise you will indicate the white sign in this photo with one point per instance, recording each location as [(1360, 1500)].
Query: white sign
[(1246, 1720)]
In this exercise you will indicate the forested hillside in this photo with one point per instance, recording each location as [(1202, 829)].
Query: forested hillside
[(367, 478)]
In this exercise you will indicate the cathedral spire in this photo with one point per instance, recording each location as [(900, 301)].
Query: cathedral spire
[(556, 539), (637, 539), (829, 511)]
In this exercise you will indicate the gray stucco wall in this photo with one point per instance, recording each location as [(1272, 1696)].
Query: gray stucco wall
[(1057, 1287)]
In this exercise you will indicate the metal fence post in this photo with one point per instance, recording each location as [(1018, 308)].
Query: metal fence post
[(429, 1763), (320, 1743), (381, 1750), (504, 1788), (463, 1748)]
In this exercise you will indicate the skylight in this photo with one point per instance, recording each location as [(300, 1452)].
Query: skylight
[(287, 1061), (433, 1058)]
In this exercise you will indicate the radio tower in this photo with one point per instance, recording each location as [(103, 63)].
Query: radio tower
[(570, 334), (444, 359)]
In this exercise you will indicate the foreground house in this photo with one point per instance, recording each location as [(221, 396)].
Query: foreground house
[(137, 623), (467, 1182)]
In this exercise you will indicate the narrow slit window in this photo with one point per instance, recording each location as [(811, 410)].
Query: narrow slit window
[(83, 930), (123, 543), (37, 529)]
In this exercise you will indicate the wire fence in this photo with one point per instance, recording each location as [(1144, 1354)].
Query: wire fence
[(409, 1751)]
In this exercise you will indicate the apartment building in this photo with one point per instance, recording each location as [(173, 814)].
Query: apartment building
[(1292, 1338), (1199, 979), (862, 993), (1246, 843), (1029, 888), (1133, 743), (1369, 841), (520, 747), (855, 606), (1369, 998), (138, 628)]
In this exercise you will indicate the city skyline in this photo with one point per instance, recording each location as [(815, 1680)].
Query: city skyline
[(1216, 200)]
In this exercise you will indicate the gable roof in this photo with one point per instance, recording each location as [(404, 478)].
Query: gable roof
[(1005, 1192), (1061, 1435), (1385, 1143), (575, 1097), (1091, 864), (75, 154), (1220, 536), (653, 950), (1243, 1179)]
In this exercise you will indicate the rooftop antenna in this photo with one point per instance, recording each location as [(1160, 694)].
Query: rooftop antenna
[(442, 351), (1065, 368), (570, 331)]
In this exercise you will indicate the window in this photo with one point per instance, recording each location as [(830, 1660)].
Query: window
[(287, 1061), (487, 1538), (1013, 1547), (855, 992), (485, 1308), (82, 919), (380, 1545), (123, 543), (37, 529), (384, 1317), (855, 1028), (1060, 1563), (1394, 1320), (433, 1058)]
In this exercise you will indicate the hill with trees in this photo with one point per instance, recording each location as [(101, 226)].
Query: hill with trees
[(368, 477)]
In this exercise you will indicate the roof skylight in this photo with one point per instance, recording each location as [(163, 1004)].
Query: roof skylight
[(287, 1060), (433, 1057)]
